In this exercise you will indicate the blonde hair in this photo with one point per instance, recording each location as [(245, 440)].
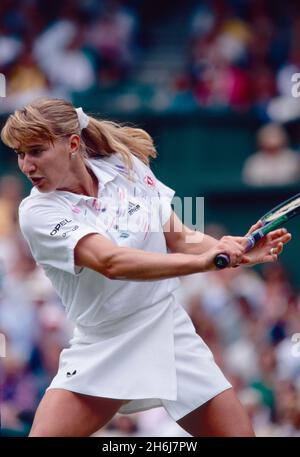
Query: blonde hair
[(47, 120)]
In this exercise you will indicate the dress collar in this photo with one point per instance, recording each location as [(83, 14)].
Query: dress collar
[(102, 170)]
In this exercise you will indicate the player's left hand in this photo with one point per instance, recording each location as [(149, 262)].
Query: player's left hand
[(268, 248)]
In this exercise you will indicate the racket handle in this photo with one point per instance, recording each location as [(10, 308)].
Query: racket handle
[(250, 242), (222, 260)]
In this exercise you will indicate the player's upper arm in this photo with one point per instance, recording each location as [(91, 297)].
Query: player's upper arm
[(95, 251), (175, 233)]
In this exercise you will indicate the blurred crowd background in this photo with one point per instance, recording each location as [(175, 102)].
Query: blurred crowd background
[(212, 82), (223, 54)]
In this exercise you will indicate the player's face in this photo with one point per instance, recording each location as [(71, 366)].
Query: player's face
[(47, 166)]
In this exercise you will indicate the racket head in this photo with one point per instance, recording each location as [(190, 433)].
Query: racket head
[(272, 220), (284, 211)]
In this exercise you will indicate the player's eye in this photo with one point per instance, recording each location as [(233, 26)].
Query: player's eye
[(36, 152), (20, 154)]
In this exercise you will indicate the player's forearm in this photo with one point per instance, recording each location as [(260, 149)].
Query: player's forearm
[(194, 243), (180, 238), (134, 264)]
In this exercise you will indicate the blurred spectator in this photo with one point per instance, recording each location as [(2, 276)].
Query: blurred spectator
[(263, 89), (276, 294), (274, 163), (222, 84), (11, 194), (286, 106), (25, 76), (233, 40), (259, 414), (26, 81), (112, 37), (10, 47), (59, 51), (287, 409)]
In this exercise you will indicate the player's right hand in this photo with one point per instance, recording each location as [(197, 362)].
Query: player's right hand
[(233, 246)]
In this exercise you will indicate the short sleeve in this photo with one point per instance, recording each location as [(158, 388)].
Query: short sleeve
[(52, 233), (165, 193)]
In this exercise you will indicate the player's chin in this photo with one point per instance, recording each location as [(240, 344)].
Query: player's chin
[(43, 190), (46, 187)]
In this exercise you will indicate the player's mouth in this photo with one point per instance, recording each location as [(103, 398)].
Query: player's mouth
[(36, 181)]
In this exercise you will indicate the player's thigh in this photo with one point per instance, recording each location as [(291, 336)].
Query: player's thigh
[(65, 413), (223, 415)]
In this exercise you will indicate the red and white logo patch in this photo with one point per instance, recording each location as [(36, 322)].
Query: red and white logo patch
[(149, 181)]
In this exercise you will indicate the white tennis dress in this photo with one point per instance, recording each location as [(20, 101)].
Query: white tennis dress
[(132, 339)]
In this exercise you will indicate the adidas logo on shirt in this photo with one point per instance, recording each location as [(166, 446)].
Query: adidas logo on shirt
[(71, 374), (132, 208)]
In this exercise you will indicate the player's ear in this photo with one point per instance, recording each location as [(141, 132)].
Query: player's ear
[(74, 143)]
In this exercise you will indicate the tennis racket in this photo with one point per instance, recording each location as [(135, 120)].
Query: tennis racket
[(272, 220)]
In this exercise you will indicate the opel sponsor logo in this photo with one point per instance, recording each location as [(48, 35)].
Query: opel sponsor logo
[(59, 225)]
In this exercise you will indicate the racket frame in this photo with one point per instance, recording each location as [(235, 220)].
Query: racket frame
[(222, 260)]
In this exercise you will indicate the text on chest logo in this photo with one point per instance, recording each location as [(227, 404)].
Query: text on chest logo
[(59, 225)]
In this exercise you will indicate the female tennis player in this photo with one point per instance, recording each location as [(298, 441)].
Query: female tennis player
[(101, 225)]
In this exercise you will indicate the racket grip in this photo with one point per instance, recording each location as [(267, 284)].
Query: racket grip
[(250, 242), (222, 260)]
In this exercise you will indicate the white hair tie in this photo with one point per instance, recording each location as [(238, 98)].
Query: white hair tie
[(82, 118)]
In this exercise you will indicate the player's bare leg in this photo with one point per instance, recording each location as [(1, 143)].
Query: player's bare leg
[(68, 414), (223, 415)]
